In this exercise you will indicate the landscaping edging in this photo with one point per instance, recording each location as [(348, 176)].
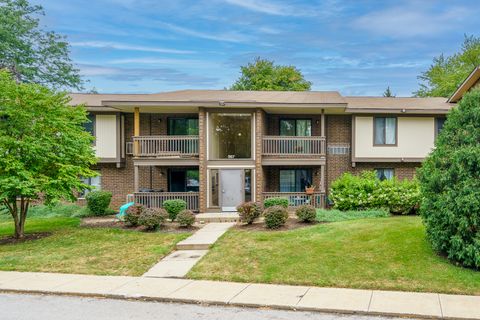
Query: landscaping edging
[(370, 302)]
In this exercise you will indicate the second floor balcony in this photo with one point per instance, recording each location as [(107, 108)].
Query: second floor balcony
[(294, 146), (166, 146)]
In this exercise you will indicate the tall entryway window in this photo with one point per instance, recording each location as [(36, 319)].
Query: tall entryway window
[(183, 180), (295, 180), (296, 127), (182, 126), (230, 136)]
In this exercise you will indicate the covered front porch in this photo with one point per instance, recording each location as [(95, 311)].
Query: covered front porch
[(155, 184), (291, 182)]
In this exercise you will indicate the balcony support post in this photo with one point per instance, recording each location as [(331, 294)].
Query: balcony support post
[(136, 129), (135, 179), (322, 124)]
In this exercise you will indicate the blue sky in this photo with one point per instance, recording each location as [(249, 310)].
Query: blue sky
[(355, 47)]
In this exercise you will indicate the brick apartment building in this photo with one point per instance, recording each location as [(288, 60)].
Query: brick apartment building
[(216, 149)]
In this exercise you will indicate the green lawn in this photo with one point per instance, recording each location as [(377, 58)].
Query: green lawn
[(332, 215), (72, 249), (381, 253)]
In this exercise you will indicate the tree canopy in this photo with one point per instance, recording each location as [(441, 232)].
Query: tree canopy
[(448, 72), (44, 149), (450, 185), (30, 53), (263, 74)]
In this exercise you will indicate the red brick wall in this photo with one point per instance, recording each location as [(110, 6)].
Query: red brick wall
[(338, 131)]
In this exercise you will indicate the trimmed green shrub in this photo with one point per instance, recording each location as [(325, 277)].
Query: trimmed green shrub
[(174, 207), (133, 214), (248, 212), (186, 218), (275, 217), (270, 202), (366, 191), (306, 213), (152, 218), (450, 185), (98, 202)]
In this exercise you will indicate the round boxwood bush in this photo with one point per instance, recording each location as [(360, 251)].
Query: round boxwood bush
[(275, 217), (98, 202), (174, 207), (306, 213), (152, 218), (450, 185), (133, 213), (248, 212), (270, 202), (185, 218)]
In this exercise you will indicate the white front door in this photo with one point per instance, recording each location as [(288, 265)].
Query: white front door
[(231, 182)]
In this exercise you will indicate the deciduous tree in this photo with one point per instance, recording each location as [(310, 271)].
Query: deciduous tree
[(263, 74), (44, 149), (448, 72), (31, 53)]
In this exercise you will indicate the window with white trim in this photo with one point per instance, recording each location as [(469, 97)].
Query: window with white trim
[(385, 131)]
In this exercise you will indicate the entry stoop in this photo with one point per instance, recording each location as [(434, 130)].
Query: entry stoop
[(217, 217)]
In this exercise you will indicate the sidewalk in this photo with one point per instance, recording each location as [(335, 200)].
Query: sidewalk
[(429, 305)]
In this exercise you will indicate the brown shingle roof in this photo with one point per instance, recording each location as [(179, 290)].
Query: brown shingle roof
[(352, 104), (284, 97), (378, 104)]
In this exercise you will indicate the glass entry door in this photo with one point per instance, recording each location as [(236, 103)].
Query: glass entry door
[(232, 189)]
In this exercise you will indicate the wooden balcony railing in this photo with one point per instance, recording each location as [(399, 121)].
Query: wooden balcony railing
[(287, 146), (165, 146), (296, 199), (156, 199)]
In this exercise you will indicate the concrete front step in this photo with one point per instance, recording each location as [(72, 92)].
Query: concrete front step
[(217, 217), (205, 237)]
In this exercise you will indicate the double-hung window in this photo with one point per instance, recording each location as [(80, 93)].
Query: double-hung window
[(94, 182), (439, 123), (385, 131), (384, 173)]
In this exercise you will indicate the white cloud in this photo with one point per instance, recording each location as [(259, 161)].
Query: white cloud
[(268, 7), (138, 74), (121, 46), (410, 21), (227, 37)]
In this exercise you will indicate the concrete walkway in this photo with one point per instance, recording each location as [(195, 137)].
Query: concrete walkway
[(429, 305), (189, 252), (205, 237)]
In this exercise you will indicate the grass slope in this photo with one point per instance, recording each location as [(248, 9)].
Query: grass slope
[(71, 249), (333, 215), (381, 253)]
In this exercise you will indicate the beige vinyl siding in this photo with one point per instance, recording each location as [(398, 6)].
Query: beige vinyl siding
[(415, 138), (106, 136)]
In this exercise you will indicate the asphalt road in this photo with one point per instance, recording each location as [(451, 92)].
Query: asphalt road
[(45, 307)]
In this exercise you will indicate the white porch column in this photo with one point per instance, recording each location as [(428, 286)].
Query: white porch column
[(135, 179), (322, 124)]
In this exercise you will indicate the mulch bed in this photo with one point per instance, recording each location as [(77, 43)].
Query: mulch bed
[(112, 222), (259, 225), (28, 237)]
